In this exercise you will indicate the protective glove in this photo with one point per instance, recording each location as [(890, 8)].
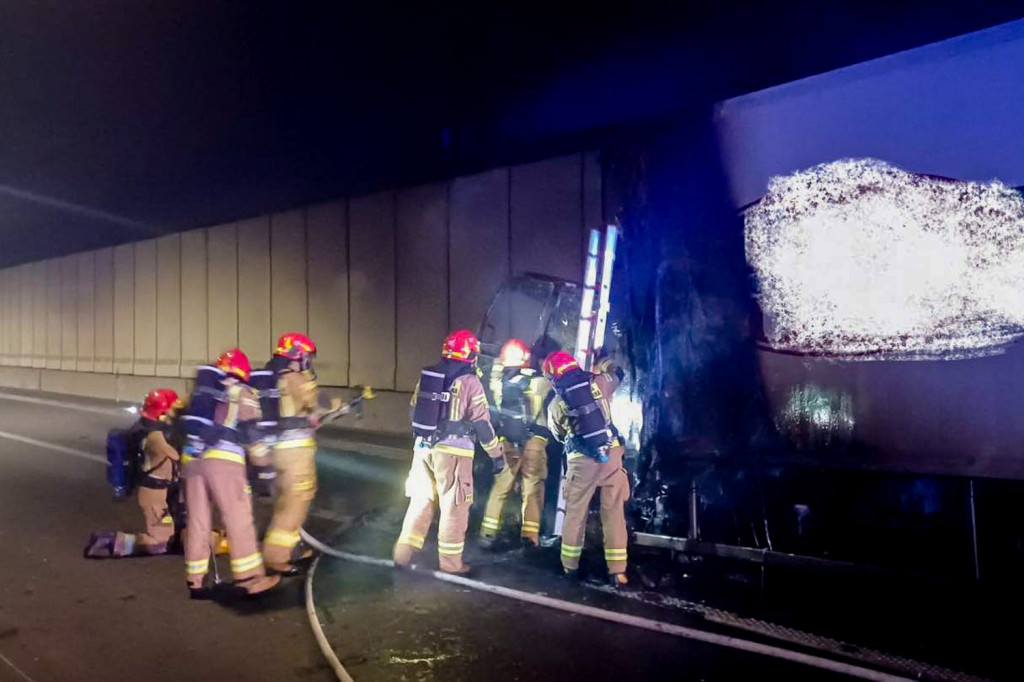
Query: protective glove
[(263, 479), (499, 464), (603, 362), (608, 365)]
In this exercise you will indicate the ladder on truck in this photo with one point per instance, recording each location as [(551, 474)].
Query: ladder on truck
[(593, 320)]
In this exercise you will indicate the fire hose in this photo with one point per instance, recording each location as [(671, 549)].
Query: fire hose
[(572, 608), (526, 597), (550, 602)]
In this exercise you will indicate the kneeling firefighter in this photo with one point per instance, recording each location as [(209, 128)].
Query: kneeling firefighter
[(519, 391), (450, 411), (142, 457), (289, 402), (580, 417), (220, 422)]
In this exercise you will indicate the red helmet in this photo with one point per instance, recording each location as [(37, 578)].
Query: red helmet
[(514, 353), (235, 363), (461, 345), (558, 364), (295, 346), (159, 402)]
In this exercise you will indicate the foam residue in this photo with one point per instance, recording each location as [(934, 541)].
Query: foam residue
[(859, 259)]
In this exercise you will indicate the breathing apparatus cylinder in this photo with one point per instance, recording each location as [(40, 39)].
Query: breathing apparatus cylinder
[(120, 462)]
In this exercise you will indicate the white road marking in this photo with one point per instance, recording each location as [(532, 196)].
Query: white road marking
[(99, 459), (107, 411), (53, 446), (16, 669), (603, 614)]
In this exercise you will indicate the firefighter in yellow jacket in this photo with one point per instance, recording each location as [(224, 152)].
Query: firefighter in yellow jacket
[(580, 417), (518, 392), (219, 421), (450, 412), (292, 414), (158, 487)]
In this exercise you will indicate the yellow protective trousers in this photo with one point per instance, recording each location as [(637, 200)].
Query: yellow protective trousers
[(442, 479), (159, 528), (218, 480), (159, 524), (295, 463), (584, 477), (530, 465)]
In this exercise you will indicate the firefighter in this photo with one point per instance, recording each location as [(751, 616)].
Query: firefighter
[(214, 474), (158, 483), (580, 417), (450, 411), (293, 447), (518, 398)]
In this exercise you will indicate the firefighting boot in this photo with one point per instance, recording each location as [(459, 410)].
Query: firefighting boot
[(295, 567), (550, 540), (618, 581), (100, 546), (302, 557), (462, 570), (258, 584), (403, 554), (570, 573), (199, 593), (302, 561), (198, 590), (124, 544)]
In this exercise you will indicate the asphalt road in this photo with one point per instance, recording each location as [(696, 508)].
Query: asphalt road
[(63, 617)]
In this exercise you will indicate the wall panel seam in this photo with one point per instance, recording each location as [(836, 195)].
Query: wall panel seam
[(508, 219), (348, 287), (394, 276), (270, 270), (305, 268), (448, 254)]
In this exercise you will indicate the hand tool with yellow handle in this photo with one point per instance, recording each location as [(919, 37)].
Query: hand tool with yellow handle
[(339, 409)]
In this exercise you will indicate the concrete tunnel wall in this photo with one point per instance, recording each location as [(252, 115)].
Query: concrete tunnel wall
[(376, 280)]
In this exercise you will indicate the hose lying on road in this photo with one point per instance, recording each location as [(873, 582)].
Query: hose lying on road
[(611, 616), (582, 610), (318, 630)]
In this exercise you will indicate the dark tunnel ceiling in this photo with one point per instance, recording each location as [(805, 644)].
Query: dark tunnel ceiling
[(176, 115)]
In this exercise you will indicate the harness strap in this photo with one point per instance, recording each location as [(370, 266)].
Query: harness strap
[(209, 390), (155, 483), (443, 396), (584, 410), (286, 423)]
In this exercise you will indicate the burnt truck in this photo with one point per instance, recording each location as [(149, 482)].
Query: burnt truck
[(746, 443)]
